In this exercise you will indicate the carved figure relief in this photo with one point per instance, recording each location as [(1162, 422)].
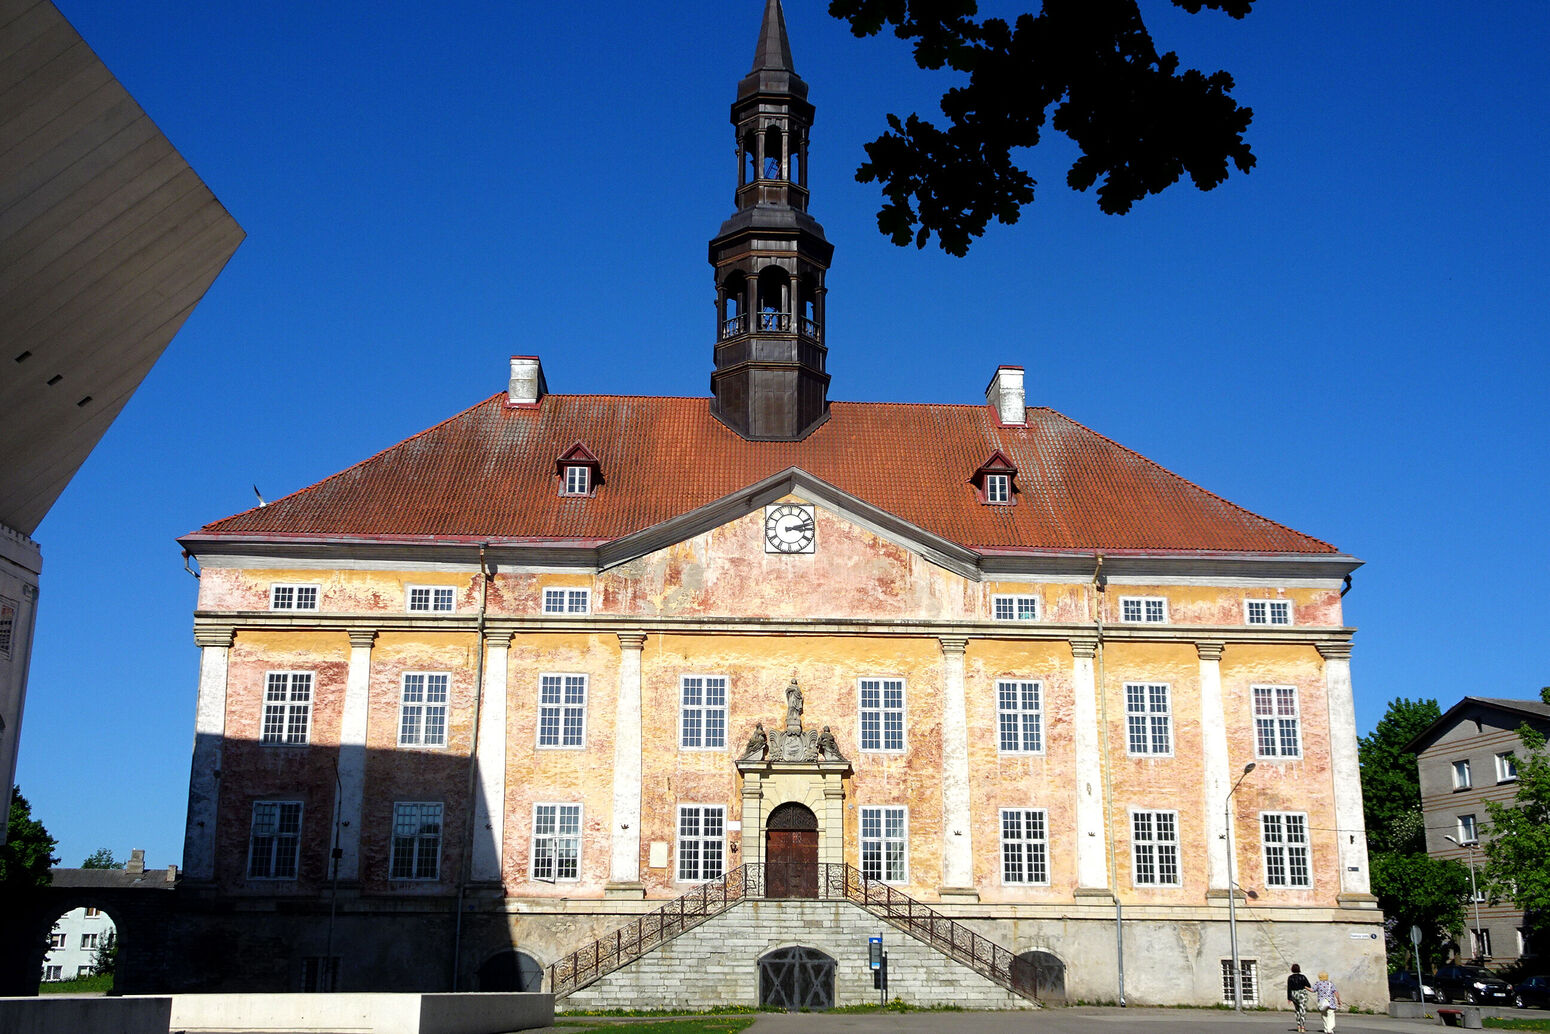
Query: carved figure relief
[(793, 743), (754, 751)]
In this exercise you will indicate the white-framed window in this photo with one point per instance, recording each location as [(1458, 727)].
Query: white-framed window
[(287, 707), (83, 971), (998, 488), (274, 843), (293, 597), (422, 713), (885, 843), (1020, 716), (1287, 861), (562, 710), (701, 841), (416, 850), (53, 972), (56, 940), (1148, 719), (431, 599), (1024, 846), (1277, 731), (1467, 833), (702, 723), (1481, 938), (567, 601), (556, 842), (1506, 767), (578, 479), (1267, 612), (1461, 780), (1150, 610), (1478, 893), (882, 715), (90, 940), (1154, 847), (7, 625), (1248, 976), (90, 911), (1014, 608)]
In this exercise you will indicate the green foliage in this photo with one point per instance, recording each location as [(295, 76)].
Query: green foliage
[(1496, 1023), (1418, 890), (1139, 121), (698, 1025), (105, 959), (79, 985), (28, 852), (102, 858), (1518, 849), (1391, 788)]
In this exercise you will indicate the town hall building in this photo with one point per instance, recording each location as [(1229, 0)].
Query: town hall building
[(676, 702)]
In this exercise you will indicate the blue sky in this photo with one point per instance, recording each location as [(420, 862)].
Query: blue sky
[(1350, 340)]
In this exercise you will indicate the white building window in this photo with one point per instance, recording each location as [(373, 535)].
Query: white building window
[(1248, 975), (287, 707), (882, 714), (556, 842), (1481, 939), (1461, 780), (578, 479), (885, 844), (416, 851), (1020, 716), (703, 717), (293, 597), (56, 940), (431, 599), (1506, 767), (1154, 845), (1024, 846), (1268, 612), (562, 710), (567, 601), (83, 971), (1148, 718), (1467, 833), (422, 715), (998, 488), (89, 941), (53, 972), (1151, 610), (1285, 836), (274, 845), (1014, 608), (1276, 724), (701, 836)]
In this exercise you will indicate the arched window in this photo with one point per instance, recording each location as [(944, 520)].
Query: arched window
[(748, 169), (798, 160), (734, 294), (774, 300), (772, 153)]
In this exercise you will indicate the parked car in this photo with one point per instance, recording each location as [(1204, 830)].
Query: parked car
[(1532, 993), (1473, 984), (1404, 988)]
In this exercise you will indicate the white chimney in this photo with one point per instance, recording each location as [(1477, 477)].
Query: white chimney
[(1005, 395), (527, 381)]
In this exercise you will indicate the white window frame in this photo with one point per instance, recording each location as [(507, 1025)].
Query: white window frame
[(53, 973), (1506, 767), (701, 856), (1025, 846), (1148, 720), (1275, 721), (880, 814), (1149, 610), (431, 700), (1480, 937), (703, 721), (998, 489), (288, 596), (578, 479), (416, 841), (90, 941), (556, 842), (1287, 848), (567, 599), (286, 707), (1468, 829), (563, 708), (1014, 607), (83, 971), (56, 939), (1024, 720), (439, 599), (1156, 848), (1269, 618), (1461, 775), (1248, 981), (276, 841), (882, 712)]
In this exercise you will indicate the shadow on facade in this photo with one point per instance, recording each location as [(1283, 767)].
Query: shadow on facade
[(139, 910)]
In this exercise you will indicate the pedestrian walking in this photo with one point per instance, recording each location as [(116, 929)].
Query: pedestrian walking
[(1329, 1000), (1298, 990)]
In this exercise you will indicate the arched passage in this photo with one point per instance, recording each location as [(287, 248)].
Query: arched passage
[(82, 949), (1049, 975), (511, 970), (796, 978)]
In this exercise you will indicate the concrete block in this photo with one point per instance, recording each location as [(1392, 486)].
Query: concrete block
[(1407, 1010), (61, 1015), (471, 1013)]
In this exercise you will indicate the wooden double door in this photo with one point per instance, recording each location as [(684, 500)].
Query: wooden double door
[(791, 852)]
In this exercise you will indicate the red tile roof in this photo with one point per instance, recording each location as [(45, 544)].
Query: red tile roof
[(489, 472)]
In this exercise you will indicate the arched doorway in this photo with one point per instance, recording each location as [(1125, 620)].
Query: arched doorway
[(1049, 975), (791, 852), (796, 978), (82, 952), (511, 971)]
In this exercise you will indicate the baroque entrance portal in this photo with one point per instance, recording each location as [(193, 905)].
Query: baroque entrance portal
[(791, 852)]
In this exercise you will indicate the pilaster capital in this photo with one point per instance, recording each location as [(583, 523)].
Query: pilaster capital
[(498, 640), (219, 637), (1334, 651), (632, 640), (1210, 649), (363, 637), (1084, 648), (954, 644)]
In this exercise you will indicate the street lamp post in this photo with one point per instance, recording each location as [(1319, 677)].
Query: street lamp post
[(1474, 894), (1232, 893)]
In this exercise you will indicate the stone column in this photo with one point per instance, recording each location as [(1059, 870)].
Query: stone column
[(752, 819), (204, 783), (1215, 767), (352, 752), (1355, 889), (957, 829), (833, 848), (624, 868), (490, 805), (1092, 866)]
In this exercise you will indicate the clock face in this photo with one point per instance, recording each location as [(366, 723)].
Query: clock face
[(788, 528)]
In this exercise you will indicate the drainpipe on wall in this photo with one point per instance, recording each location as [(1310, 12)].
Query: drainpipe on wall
[(466, 867), (1099, 585)]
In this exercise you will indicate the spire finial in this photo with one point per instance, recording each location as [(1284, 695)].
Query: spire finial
[(774, 52)]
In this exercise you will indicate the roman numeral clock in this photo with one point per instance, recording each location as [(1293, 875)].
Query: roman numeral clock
[(789, 528)]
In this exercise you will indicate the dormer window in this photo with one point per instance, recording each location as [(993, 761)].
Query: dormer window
[(994, 481), (578, 471)]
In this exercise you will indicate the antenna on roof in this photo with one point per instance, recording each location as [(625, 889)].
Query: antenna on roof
[(260, 496)]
